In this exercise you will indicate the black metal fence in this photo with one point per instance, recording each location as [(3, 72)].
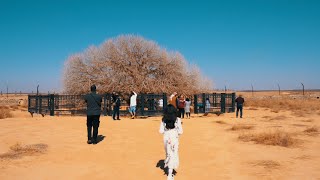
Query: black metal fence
[(147, 104), (208, 103)]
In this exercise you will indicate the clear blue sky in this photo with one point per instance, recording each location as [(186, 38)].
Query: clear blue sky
[(236, 43)]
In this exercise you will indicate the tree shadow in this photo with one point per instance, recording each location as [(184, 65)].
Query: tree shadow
[(160, 165), (100, 138)]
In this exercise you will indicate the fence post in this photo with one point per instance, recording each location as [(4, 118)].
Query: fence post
[(109, 96), (214, 100), (142, 104), (223, 102), (37, 104), (195, 104), (104, 104), (40, 104), (204, 102), (164, 102), (51, 105), (233, 101), (29, 103)]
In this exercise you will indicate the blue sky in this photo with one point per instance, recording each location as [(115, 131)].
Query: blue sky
[(235, 43)]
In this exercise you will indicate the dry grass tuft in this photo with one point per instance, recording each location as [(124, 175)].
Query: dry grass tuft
[(303, 157), (220, 122), (275, 110), (241, 127), (18, 151), (308, 120), (299, 125), (289, 104), (266, 117), (268, 164), (312, 130), (5, 112), (277, 138), (279, 118), (15, 107)]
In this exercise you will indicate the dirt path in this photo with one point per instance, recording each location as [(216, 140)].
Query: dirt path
[(132, 149)]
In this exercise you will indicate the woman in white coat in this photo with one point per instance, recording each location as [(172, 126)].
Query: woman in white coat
[(171, 128)]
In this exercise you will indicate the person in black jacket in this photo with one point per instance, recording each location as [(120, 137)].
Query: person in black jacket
[(116, 106), (93, 101), (240, 102)]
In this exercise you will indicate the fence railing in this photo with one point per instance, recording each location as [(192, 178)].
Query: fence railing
[(147, 104)]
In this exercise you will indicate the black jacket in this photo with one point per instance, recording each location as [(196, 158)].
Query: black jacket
[(93, 101)]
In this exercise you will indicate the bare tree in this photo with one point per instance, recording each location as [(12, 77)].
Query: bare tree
[(130, 62)]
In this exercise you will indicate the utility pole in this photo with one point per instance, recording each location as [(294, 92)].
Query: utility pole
[(38, 90), (225, 89), (7, 90), (279, 88), (252, 89), (302, 88)]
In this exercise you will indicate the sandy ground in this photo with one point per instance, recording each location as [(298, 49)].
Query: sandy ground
[(132, 149)]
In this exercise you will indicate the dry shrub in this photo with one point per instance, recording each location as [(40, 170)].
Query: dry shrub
[(18, 151), (268, 164), (277, 138), (5, 113), (241, 127), (312, 130), (220, 122)]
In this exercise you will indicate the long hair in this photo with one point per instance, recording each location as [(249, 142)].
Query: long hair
[(169, 116)]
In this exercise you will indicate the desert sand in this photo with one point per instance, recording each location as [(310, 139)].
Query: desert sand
[(210, 147)]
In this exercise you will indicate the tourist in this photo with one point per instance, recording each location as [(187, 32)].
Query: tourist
[(207, 105), (133, 104), (181, 106), (93, 101), (187, 108), (116, 106), (240, 102), (171, 128)]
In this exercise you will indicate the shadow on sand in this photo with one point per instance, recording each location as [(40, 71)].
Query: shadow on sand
[(160, 165), (100, 138)]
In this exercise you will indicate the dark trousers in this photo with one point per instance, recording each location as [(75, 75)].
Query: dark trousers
[(188, 114), (239, 108), (93, 121), (181, 112), (116, 110)]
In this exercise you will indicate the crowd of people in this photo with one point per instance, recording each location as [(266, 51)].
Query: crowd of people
[(170, 126)]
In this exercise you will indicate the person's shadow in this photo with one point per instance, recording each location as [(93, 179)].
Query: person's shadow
[(100, 138), (160, 165)]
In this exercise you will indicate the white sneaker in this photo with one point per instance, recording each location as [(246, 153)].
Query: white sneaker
[(170, 177)]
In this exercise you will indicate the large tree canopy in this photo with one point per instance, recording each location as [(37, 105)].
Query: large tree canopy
[(130, 62)]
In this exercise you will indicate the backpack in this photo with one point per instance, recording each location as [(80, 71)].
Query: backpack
[(181, 104)]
